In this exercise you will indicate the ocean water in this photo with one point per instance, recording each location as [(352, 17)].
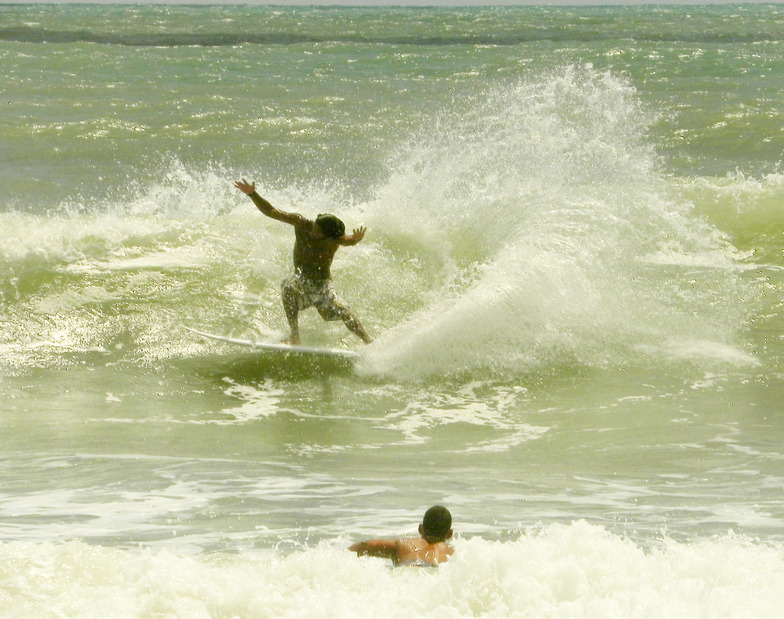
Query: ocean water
[(573, 273)]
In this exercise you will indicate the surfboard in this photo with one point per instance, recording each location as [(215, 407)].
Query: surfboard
[(287, 349)]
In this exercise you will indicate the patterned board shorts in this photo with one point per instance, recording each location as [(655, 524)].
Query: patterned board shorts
[(320, 295)]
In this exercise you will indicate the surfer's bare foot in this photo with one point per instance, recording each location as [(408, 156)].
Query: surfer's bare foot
[(291, 341)]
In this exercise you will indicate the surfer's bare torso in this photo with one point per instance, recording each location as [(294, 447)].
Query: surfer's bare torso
[(313, 252)]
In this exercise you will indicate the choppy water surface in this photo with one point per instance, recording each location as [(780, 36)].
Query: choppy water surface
[(573, 273)]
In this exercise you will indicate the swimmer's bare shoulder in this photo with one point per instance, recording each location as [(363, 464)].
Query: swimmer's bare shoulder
[(420, 550)]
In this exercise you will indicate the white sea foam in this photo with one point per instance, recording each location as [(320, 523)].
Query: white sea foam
[(552, 238), (566, 289), (575, 570)]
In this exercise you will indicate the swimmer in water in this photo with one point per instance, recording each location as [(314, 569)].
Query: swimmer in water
[(426, 551)]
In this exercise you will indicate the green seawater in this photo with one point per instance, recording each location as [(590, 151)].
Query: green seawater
[(573, 274)]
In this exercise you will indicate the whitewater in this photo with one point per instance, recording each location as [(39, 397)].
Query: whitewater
[(573, 275)]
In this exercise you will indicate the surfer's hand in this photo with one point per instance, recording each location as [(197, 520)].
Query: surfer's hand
[(245, 187), (356, 237)]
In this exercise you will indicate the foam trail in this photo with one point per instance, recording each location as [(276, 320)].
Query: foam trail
[(549, 218)]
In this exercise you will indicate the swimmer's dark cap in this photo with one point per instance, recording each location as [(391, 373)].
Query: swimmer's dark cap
[(437, 522)]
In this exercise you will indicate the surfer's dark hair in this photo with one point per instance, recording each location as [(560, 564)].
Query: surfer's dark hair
[(436, 524), (331, 226)]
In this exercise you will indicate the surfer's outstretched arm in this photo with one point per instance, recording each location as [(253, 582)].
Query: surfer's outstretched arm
[(352, 239), (249, 189)]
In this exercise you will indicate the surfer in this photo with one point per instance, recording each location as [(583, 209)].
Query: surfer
[(426, 551), (314, 248)]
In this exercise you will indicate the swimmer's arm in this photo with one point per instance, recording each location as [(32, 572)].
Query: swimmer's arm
[(353, 239), (249, 189), (382, 548)]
